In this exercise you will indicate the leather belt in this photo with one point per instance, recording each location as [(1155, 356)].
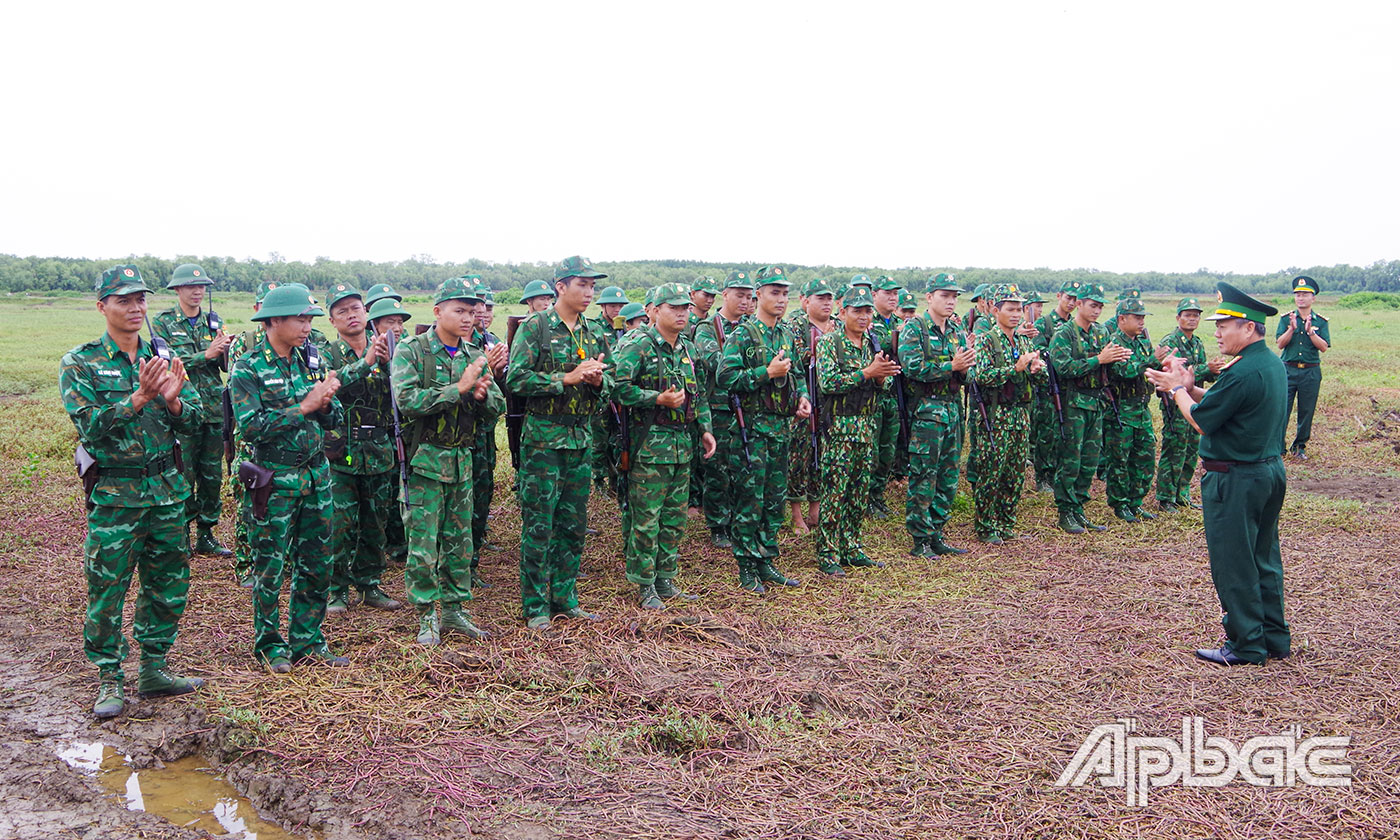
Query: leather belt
[(1302, 364)]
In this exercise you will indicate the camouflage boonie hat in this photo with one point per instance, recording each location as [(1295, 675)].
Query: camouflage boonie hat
[(1188, 304), (188, 274), (857, 296), (673, 294), (773, 275), (339, 292), (388, 306), (1091, 291), (944, 282), (286, 301), (738, 280), (1071, 287), (120, 280), (378, 291), (705, 284), (455, 288), (632, 311), (886, 283), (263, 288), (534, 289), (906, 300), (577, 267), (1130, 293), (1006, 293), (614, 294), (1132, 306)]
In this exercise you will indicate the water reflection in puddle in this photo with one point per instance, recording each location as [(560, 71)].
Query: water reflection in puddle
[(186, 792)]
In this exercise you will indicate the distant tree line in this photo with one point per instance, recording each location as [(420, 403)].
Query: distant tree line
[(421, 273)]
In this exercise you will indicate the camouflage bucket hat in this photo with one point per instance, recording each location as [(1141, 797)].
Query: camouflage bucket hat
[(287, 301), (773, 275), (672, 293), (120, 280), (577, 267), (738, 280), (188, 274), (455, 288), (614, 294), (378, 291), (388, 306), (339, 292), (1131, 306)]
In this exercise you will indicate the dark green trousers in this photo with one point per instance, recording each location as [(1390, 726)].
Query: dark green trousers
[(1241, 523), (1304, 384)]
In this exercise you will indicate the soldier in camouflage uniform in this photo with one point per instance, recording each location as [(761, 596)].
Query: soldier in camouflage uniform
[(658, 385), (198, 338), (361, 454), (1045, 423), (757, 364), (1006, 369), (442, 385), (813, 315), (883, 329), (556, 365), (604, 447), (1179, 440), (907, 311), (719, 489), (484, 450), (395, 540), (1129, 447), (242, 344), (128, 406), (935, 355), (284, 401), (851, 375), (1078, 351), (702, 298)]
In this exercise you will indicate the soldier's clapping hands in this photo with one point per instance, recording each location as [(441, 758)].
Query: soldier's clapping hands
[(880, 367), (320, 395)]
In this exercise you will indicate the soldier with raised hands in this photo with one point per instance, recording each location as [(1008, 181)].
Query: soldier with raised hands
[(128, 405), (1129, 444), (1177, 463)]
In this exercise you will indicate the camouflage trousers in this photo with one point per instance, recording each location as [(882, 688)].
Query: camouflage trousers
[(553, 514), (150, 543), (1177, 464), (716, 472), (975, 431), (697, 482), (758, 493), (439, 527), (1129, 451), (203, 453), (847, 452), (242, 548), (934, 451), (655, 521), (483, 486), (395, 536), (604, 449), (294, 540), (886, 420), (803, 483), (359, 505), (1079, 453), (1003, 469), (1045, 437)]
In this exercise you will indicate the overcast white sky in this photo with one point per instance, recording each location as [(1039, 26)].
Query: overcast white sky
[(1123, 136)]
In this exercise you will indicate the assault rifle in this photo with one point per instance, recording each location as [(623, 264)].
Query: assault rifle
[(398, 425), (814, 394), (515, 406), (734, 404)]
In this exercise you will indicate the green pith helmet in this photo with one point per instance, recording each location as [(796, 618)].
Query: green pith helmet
[(577, 267), (773, 275), (534, 289), (1304, 283), (1092, 291), (861, 280), (1188, 304), (287, 301), (980, 291), (673, 294), (738, 280), (944, 282), (339, 292), (388, 306), (1131, 306), (706, 284), (188, 274), (378, 292), (906, 300), (857, 296), (455, 288), (886, 283), (614, 294), (263, 288), (1233, 303), (1006, 293), (631, 311), (120, 280)]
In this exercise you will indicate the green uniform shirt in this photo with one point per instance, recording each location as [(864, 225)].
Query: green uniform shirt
[(544, 349), (1048, 324), (364, 443), (1191, 351), (1242, 416), (646, 366), (1074, 353), (189, 341), (768, 403), (840, 371), (424, 377), (97, 381), (882, 329), (1300, 349), (995, 367), (926, 357), (267, 391)]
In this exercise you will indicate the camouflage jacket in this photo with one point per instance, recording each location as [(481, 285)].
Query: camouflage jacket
[(646, 366), (849, 398), (556, 415), (364, 443), (189, 341), (768, 403), (1074, 353), (926, 356), (709, 350), (1191, 351), (1129, 383), (267, 391), (97, 381), (1048, 324), (484, 340), (442, 420), (995, 368)]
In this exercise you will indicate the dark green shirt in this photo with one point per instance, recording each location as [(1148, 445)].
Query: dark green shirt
[(1243, 414), (1300, 348)]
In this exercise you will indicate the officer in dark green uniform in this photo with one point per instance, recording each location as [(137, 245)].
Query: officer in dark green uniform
[(1303, 337), (1241, 421)]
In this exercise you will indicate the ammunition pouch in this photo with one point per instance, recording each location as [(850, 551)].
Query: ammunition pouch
[(857, 402), (452, 429), (257, 481)]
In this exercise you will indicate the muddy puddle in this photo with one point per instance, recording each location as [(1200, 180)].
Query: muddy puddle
[(186, 792)]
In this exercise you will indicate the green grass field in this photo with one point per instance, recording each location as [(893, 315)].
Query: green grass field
[(922, 700)]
